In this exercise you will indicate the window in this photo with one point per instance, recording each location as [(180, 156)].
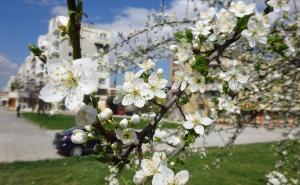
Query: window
[(102, 36), (102, 91)]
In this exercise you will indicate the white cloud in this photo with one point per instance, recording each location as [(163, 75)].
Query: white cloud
[(7, 69), (59, 10), (131, 18), (128, 20), (43, 2)]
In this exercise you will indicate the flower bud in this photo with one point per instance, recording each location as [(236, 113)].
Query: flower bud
[(62, 21), (135, 119), (124, 123), (173, 48), (109, 112), (88, 128), (114, 145), (103, 116), (160, 71), (79, 136)]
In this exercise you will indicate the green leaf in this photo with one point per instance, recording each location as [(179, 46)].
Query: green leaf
[(190, 137), (189, 36), (183, 100), (35, 50), (242, 22), (201, 65), (257, 66), (70, 12), (179, 35), (227, 90)]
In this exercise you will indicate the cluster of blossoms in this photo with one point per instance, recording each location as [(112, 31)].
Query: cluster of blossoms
[(202, 68), (136, 91), (87, 116), (157, 168), (276, 178)]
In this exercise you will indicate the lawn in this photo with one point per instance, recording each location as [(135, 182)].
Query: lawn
[(67, 121), (51, 122), (246, 166)]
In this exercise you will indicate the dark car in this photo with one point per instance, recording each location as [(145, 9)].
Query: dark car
[(66, 147)]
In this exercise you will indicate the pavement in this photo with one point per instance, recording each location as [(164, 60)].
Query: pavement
[(21, 140)]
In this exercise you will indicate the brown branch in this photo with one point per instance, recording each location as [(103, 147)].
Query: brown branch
[(74, 28), (181, 111)]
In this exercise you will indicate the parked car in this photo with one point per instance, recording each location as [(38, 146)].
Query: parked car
[(66, 147)]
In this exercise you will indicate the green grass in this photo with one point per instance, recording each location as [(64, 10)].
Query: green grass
[(246, 166), (67, 121), (51, 122)]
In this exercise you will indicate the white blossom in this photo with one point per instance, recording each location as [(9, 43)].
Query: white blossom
[(79, 136), (201, 28), (207, 16), (256, 32), (197, 82), (184, 52), (276, 178), (279, 5), (129, 76), (155, 87), (225, 22), (127, 136), (167, 177), (70, 80), (227, 104), (155, 165), (240, 9), (180, 80), (139, 177), (235, 78), (197, 122), (86, 115), (134, 93), (145, 66)]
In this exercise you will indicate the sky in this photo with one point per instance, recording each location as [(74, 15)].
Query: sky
[(22, 21)]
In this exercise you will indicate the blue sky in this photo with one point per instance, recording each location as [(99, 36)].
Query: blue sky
[(22, 21)]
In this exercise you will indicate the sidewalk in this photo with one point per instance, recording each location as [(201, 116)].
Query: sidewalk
[(23, 141)]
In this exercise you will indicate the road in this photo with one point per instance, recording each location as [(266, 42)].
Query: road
[(22, 141)]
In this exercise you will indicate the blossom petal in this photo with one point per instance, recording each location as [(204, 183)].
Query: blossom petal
[(233, 85), (83, 65), (182, 177), (139, 101), (88, 84), (242, 79), (206, 121), (164, 177), (53, 92), (199, 129), (57, 69), (74, 99), (127, 87), (188, 124), (160, 93), (127, 100)]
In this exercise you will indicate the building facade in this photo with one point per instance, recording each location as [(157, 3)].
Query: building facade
[(25, 86)]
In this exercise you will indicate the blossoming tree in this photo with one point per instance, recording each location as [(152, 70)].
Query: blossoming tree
[(221, 55)]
